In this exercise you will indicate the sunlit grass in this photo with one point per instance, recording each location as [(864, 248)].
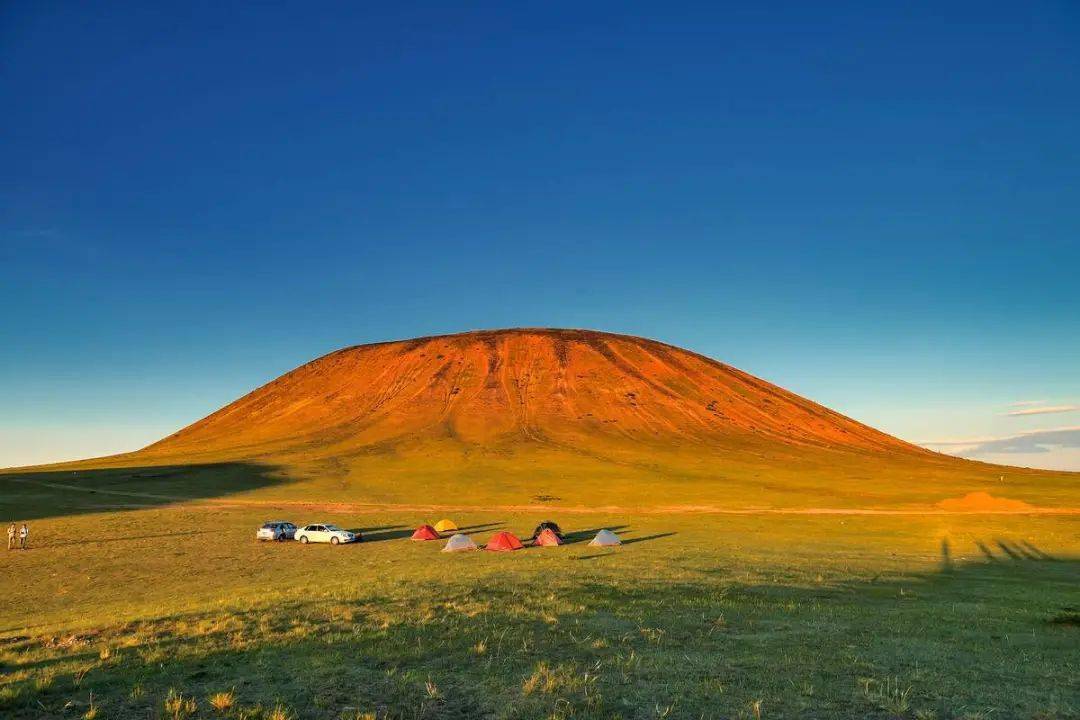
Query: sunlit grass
[(181, 614), (222, 701)]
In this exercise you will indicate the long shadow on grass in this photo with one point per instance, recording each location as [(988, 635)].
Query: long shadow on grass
[(398, 532), (613, 549), (387, 535), (481, 527), (580, 536), (381, 532), (592, 649), (375, 528), (647, 538), (33, 495)]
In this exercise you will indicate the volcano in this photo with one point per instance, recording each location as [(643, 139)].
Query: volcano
[(546, 415), (564, 388)]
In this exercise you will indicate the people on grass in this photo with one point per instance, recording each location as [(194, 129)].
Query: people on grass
[(21, 535)]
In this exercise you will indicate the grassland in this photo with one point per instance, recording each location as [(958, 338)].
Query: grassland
[(144, 595), (781, 560)]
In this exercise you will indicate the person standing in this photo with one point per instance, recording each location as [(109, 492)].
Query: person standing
[(24, 532), (11, 536)]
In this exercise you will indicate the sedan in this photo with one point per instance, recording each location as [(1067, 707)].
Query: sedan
[(279, 530), (325, 534)]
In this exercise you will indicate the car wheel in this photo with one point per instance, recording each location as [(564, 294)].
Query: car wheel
[(303, 539), (334, 541)]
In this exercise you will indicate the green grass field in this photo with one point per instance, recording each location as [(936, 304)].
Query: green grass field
[(132, 603)]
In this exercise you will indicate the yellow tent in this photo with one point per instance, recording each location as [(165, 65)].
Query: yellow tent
[(445, 525)]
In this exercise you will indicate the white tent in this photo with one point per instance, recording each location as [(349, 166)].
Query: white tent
[(459, 543), (606, 538)]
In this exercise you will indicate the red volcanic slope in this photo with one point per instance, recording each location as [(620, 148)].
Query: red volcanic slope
[(570, 388)]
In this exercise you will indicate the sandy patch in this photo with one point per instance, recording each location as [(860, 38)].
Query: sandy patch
[(984, 502)]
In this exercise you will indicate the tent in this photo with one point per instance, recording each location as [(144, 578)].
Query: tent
[(445, 525), (459, 543), (547, 538), (606, 538), (548, 525), (503, 541), (425, 532)]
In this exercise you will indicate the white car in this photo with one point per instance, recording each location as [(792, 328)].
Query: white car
[(324, 533), (276, 530)]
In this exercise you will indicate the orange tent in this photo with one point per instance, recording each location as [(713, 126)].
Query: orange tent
[(503, 541), (547, 538), (425, 532)]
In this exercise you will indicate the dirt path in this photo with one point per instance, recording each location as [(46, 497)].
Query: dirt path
[(369, 508), (620, 510)]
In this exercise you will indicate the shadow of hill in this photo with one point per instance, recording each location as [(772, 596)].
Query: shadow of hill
[(34, 495), (932, 643), (1004, 572)]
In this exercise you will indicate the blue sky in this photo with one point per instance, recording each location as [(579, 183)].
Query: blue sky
[(876, 205)]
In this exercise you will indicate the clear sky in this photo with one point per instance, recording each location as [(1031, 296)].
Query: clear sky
[(876, 205)]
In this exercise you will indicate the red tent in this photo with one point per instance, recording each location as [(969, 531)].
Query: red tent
[(425, 532), (547, 538), (503, 541)]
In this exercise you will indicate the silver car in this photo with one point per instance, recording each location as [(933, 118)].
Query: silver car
[(325, 533), (278, 530)]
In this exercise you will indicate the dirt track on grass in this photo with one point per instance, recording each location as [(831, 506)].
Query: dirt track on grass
[(949, 508)]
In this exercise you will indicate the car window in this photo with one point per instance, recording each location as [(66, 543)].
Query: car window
[(332, 528), (318, 528)]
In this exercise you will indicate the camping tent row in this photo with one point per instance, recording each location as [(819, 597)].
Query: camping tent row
[(434, 532), (547, 534), (505, 541)]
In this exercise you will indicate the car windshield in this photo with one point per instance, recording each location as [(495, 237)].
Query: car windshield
[(333, 527), (269, 526)]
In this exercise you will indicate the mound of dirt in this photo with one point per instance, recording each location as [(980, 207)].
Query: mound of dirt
[(984, 502)]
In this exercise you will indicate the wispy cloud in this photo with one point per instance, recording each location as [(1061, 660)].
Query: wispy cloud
[(959, 442), (1033, 441), (1044, 410), (1027, 403)]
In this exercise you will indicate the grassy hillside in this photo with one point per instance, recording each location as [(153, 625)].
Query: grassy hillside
[(554, 417), (630, 478)]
